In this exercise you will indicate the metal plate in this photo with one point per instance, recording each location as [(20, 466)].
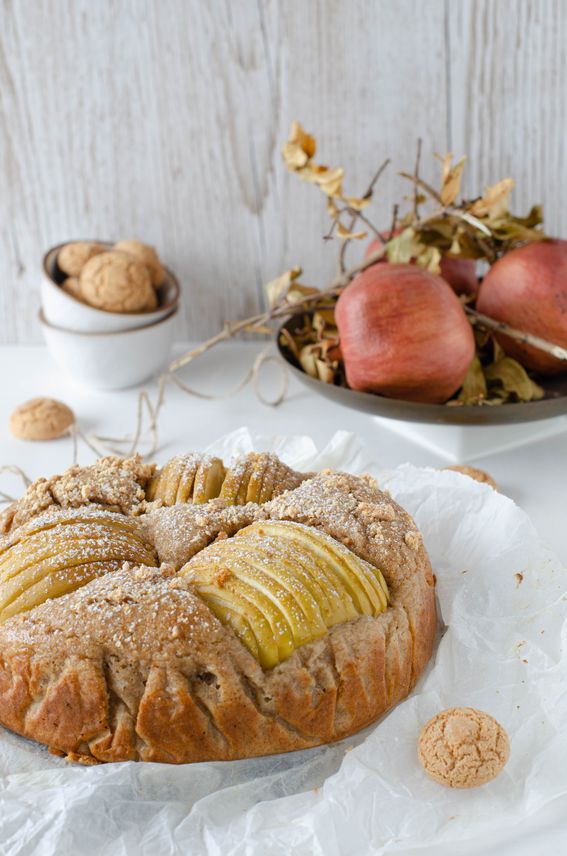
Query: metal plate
[(553, 404)]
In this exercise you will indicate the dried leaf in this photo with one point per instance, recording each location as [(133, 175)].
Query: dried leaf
[(324, 319), (325, 372), (298, 154), (357, 204), (482, 337), (308, 361), (299, 149), (298, 292), (404, 248), (430, 259), (345, 234), (330, 350), (512, 378), (533, 219), (437, 231), (512, 229), (474, 389), (329, 180), (287, 340), (311, 363), (451, 178), (469, 247), (498, 352), (278, 288), (494, 203)]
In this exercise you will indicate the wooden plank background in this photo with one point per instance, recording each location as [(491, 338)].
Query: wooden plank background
[(164, 119)]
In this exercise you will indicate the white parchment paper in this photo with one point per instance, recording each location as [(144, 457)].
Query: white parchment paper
[(502, 597)]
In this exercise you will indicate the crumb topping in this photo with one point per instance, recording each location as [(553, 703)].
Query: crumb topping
[(117, 484)]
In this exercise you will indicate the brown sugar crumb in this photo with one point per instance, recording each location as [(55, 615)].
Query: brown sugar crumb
[(117, 595), (222, 576), (474, 473), (86, 760), (381, 511), (463, 747), (369, 480), (413, 539), (167, 569), (111, 483)]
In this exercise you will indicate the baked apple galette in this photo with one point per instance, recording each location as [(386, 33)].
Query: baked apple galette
[(203, 612)]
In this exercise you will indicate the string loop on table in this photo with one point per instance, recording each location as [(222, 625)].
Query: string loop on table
[(102, 445)]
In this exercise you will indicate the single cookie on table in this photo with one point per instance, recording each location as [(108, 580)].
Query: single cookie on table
[(147, 255), (72, 286), (72, 258), (463, 747), (474, 473), (116, 282), (41, 419)]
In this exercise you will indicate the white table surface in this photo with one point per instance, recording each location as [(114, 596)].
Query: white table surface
[(534, 475)]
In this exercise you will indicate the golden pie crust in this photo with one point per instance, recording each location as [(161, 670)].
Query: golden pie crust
[(134, 665)]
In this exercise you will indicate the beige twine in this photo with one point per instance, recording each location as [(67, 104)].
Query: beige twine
[(101, 445)]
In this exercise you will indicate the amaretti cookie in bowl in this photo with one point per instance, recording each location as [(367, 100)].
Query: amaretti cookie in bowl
[(204, 612), (100, 287)]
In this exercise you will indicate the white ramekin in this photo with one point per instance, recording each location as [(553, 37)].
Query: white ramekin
[(115, 360), (64, 310)]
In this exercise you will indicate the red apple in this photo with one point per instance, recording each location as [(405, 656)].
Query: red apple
[(527, 288), (459, 273), (404, 334)]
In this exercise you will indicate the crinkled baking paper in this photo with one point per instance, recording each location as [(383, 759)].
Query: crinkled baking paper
[(503, 608)]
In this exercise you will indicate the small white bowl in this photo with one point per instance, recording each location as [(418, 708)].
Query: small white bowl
[(64, 310), (111, 360)]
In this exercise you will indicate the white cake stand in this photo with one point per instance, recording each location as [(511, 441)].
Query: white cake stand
[(465, 443)]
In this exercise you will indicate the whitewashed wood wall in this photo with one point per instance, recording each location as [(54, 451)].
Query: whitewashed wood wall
[(163, 120)]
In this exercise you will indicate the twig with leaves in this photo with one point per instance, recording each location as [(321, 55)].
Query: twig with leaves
[(481, 228)]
